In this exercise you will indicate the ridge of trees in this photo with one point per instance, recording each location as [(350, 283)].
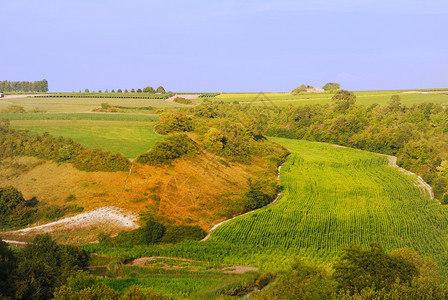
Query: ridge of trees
[(24, 86)]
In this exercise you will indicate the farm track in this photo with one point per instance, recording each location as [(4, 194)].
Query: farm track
[(246, 213)]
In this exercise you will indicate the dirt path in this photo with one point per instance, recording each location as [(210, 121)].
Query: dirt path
[(110, 215), (249, 212), (424, 187)]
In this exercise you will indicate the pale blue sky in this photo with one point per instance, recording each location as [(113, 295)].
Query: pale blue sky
[(225, 46)]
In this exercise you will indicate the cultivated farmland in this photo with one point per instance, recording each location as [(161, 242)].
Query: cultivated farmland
[(337, 196)]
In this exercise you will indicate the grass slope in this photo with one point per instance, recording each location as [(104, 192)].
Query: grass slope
[(127, 138), (336, 196)]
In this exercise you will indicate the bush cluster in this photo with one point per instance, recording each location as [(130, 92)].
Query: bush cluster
[(173, 147)]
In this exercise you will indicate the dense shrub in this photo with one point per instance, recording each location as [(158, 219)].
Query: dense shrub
[(173, 147), (182, 100), (14, 209), (179, 233), (174, 122)]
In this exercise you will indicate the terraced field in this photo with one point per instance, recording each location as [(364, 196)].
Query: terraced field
[(336, 196)]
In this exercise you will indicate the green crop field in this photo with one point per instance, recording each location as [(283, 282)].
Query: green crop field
[(363, 98), (337, 196), (127, 138)]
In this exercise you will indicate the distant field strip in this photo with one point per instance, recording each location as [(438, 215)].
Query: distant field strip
[(79, 116), (336, 196)]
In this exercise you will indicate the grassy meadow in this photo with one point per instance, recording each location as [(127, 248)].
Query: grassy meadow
[(129, 138)]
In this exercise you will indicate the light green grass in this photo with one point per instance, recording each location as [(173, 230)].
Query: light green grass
[(127, 138), (177, 283), (336, 196)]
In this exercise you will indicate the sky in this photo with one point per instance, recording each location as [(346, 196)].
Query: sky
[(225, 46)]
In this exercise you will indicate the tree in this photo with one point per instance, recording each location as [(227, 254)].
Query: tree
[(152, 232), (300, 89), (331, 86), (359, 269), (132, 91), (119, 91), (126, 91), (395, 103), (106, 91), (112, 91), (44, 86), (8, 265), (86, 91), (99, 91), (139, 90), (149, 90), (344, 99), (160, 90)]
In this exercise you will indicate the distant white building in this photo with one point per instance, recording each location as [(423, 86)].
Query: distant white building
[(2, 95), (315, 90)]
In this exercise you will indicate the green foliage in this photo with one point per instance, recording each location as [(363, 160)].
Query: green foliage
[(106, 107), (299, 90), (44, 265), (343, 99), (174, 122), (173, 147), (8, 265), (259, 194), (183, 100), (81, 285), (160, 90), (304, 281), (148, 89), (213, 140), (179, 233), (14, 209), (374, 268), (13, 109), (331, 86), (209, 95), (107, 94), (24, 86)]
